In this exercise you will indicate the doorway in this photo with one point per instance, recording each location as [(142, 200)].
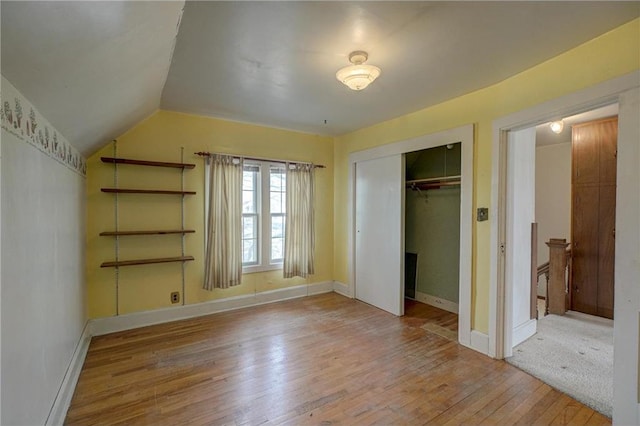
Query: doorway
[(571, 352), (432, 226), (372, 282), (625, 91)]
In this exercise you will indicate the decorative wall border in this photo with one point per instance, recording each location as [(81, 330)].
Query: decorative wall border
[(21, 119)]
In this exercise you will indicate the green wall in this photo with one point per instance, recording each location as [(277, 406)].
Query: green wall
[(432, 222)]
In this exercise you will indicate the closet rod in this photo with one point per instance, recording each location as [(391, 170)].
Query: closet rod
[(209, 154), (437, 179), (432, 184)]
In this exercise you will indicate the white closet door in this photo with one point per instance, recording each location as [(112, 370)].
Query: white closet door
[(379, 257)]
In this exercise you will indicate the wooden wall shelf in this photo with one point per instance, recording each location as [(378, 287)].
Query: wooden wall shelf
[(120, 263), (116, 233), (116, 160), (155, 232), (145, 191)]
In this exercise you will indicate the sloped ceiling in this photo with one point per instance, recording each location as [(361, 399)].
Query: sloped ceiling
[(95, 69)]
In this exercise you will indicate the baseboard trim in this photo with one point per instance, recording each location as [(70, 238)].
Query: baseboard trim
[(342, 289), (100, 326), (438, 302), (523, 332), (62, 401), (479, 342)]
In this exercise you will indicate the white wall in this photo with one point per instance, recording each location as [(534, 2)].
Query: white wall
[(553, 198), (42, 276)]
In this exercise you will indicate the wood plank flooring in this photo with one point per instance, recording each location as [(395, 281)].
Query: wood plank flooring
[(325, 360)]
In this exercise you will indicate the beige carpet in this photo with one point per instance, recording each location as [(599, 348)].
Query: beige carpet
[(574, 354)]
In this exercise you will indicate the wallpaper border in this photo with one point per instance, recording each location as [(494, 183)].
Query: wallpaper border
[(34, 129)]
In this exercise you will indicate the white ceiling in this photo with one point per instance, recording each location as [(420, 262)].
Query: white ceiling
[(96, 68)]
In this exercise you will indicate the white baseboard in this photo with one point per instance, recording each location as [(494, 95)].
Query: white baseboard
[(438, 302), (342, 289), (61, 404), (108, 325), (523, 332), (479, 342)]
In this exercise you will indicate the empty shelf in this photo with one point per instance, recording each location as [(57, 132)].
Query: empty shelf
[(155, 232), (146, 191), (146, 261), (116, 160)]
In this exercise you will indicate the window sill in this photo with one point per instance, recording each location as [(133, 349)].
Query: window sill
[(261, 268)]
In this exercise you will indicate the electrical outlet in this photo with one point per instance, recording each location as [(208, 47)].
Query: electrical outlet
[(483, 214), (175, 297)]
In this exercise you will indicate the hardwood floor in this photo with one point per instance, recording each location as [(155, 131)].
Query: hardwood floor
[(322, 360)]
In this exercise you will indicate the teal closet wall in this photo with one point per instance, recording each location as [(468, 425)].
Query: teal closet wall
[(432, 222)]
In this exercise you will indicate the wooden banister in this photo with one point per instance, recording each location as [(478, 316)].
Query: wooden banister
[(556, 293)]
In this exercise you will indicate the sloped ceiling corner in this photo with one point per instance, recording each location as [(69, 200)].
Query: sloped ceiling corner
[(93, 69)]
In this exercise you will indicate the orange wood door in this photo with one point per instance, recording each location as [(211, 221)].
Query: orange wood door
[(594, 147)]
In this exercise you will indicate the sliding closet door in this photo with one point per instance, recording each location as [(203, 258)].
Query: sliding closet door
[(379, 248)]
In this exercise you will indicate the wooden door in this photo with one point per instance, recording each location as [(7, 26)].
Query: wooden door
[(594, 147)]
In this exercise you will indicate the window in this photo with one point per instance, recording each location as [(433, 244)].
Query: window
[(250, 216), (263, 216)]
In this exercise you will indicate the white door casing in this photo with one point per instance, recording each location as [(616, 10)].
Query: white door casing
[(463, 134), (624, 90), (521, 192), (379, 233)]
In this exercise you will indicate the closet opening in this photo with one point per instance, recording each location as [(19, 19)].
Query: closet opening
[(432, 237)]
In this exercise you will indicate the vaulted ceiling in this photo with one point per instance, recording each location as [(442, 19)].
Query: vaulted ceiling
[(95, 69)]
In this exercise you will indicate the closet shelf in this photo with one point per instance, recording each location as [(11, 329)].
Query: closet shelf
[(145, 191), (145, 261), (154, 232), (116, 160)]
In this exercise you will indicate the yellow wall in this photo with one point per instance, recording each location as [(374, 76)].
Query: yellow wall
[(159, 138), (610, 55)]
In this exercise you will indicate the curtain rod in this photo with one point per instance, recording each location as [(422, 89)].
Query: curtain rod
[(209, 154)]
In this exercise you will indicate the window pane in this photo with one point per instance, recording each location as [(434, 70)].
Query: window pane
[(248, 202), (278, 179), (277, 249), (249, 226), (277, 190), (249, 251), (276, 202), (248, 180), (277, 226)]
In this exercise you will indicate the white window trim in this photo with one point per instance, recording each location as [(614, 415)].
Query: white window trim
[(264, 224)]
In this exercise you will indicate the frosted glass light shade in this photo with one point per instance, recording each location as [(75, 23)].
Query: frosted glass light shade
[(557, 126), (357, 77)]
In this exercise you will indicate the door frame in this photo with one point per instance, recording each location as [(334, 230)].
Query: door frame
[(515, 334), (463, 134), (623, 90)]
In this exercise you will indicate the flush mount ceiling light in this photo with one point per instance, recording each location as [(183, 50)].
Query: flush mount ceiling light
[(359, 75), (556, 126)]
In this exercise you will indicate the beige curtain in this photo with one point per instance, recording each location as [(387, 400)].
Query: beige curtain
[(299, 239), (223, 260)]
